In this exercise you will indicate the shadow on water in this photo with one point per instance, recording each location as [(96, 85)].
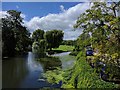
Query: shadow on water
[(24, 71), (50, 63), (13, 71)]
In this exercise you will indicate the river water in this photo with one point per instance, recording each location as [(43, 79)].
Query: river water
[(24, 71)]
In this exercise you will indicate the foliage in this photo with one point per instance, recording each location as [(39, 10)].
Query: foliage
[(53, 38), (69, 42), (39, 47), (102, 22), (79, 76), (83, 76), (54, 76), (37, 35), (82, 41), (8, 39), (35, 47), (15, 35), (102, 32), (39, 43)]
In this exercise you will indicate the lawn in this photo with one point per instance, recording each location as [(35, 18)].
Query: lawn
[(64, 48)]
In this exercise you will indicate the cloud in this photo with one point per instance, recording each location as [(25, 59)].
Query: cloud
[(23, 15), (62, 8), (17, 6), (61, 21), (3, 14)]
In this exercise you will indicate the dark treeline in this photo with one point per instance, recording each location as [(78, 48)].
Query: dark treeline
[(15, 36), (69, 42)]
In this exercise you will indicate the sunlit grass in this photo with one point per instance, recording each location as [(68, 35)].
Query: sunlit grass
[(86, 76), (64, 48)]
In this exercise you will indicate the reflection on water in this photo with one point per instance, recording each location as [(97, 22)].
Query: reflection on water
[(32, 64), (66, 59), (50, 63), (24, 71), (13, 71)]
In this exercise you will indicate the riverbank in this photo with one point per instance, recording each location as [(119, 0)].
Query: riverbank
[(60, 49), (64, 48), (81, 75)]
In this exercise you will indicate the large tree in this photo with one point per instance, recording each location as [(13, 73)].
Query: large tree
[(15, 36), (102, 21), (39, 44), (8, 39), (37, 35), (54, 38)]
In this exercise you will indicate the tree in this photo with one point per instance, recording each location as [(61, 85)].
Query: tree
[(69, 42), (15, 35), (39, 47), (8, 39), (83, 41), (39, 44), (53, 38), (104, 25), (21, 34), (37, 35)]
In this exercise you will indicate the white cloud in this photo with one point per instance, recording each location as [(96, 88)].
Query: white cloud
[(23, 15), (3, 14), (62, 21), (17, 6), (62, 8)]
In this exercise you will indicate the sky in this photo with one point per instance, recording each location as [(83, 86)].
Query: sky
[(49, 15)]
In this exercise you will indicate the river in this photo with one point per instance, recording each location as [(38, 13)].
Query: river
[(24, 71)]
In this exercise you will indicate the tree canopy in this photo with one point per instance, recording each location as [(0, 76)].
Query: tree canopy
[(15, 36), (102, 21), (54, 38), (38, 34), (39, 44)]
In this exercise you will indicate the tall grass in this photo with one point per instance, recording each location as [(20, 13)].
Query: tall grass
[(83, 76), (79, 76)]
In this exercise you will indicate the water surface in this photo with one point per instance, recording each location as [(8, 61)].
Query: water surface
[(24, 71)]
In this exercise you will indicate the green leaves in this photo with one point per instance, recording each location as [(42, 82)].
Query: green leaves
[(54, 38), (104, 25), (86, 76), (38, 34), (13, 29), (54, 76)]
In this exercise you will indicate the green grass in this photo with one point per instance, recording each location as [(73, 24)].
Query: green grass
[(64, 48), (86, 76), (82, 72)]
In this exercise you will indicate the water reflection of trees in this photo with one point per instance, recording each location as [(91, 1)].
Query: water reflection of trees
[(13, 72), (50, 63)]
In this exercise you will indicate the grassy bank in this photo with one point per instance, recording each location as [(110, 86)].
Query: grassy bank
[(80, 76), (64, 48), (83, 76)]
